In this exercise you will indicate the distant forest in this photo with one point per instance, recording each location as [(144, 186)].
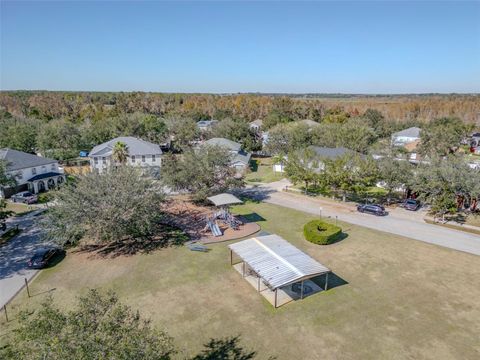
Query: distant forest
[(78, 106), (59, 124)]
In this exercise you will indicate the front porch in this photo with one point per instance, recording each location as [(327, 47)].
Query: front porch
[(44, 182)]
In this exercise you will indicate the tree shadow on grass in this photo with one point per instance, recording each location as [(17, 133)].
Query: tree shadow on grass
[(252, 217), (165, 236), (228, 348)]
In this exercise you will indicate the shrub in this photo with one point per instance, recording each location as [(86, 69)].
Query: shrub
[(320, 232)]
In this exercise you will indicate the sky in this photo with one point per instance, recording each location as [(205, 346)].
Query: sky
[(228, 47)]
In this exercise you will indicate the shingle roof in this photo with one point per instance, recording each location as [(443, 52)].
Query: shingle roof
[(135, 147), (410, 132), (331, 153), (258, 122), (44, 176), (229, 144), (309, 123), (17, 160), (276, 261), (242, 157)]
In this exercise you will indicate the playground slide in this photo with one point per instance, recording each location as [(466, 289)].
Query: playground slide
[(214, 228)]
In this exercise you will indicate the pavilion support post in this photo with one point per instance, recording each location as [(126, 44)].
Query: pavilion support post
[(259, 284), (301, 291), (231, 257), (326, 282), (276, 298), (243, 269)]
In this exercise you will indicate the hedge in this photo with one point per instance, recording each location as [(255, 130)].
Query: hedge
[(321, 233)]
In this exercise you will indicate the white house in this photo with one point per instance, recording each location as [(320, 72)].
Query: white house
[(256, 126), (31, 172), (406, 136), (240, 158), (140, 153)]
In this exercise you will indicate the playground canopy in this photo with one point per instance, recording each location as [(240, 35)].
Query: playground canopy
[(277, 262), (224, 199)]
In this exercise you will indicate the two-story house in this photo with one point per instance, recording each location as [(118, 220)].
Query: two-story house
[(31, 172), (141, 153)]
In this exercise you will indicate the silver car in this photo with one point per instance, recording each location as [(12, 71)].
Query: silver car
[(25, 197)]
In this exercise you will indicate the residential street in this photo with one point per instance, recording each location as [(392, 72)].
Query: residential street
[(15, 254), (399, 221)]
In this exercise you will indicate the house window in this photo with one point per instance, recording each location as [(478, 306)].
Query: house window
[(34, 171), (95, 159), (104, 159), (143, 158), (153, 158), (19, 175), (44, 169), (133, 158), (53, 167)]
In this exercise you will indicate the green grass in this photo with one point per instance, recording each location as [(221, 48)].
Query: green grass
[(18, 208), (262, 171), (402, 298)]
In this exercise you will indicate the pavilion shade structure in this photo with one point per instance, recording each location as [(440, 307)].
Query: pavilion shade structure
[(224, 199), (276, 261)]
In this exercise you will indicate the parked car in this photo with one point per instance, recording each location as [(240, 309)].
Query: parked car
[(43, 257), (25, 197), (411, 204), (372, 209)]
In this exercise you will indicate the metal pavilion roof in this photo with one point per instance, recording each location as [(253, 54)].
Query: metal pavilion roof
[(224, 199), (276, 261)]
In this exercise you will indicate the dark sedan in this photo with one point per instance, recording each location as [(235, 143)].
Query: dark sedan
[(411, 204), (372, 209), (44, 256)]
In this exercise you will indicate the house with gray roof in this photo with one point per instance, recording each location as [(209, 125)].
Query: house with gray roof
[(240, 158), (406, 136), (140, 153), (256, 125), (31, 172)]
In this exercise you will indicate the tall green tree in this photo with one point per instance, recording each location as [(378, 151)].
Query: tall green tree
[(442, 136), (120, 153), (442, 182), (99, 327), (394, 173), (113, 207), (203, 172)]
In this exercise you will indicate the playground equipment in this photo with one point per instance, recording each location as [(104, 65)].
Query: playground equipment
[(223, 213), (214, 228)]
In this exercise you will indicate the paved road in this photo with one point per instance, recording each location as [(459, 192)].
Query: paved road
[(15, 254), (399, 221)]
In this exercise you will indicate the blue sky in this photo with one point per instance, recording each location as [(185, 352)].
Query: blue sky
[(347, 47)]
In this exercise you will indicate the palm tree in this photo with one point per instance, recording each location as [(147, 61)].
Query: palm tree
[(120, 153)]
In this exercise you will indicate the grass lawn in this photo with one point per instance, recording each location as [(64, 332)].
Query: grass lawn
[(403, 298), (473, 220), (18, 208), (262, 171)]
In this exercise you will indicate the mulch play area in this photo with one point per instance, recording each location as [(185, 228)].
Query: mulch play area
[(192, 218)]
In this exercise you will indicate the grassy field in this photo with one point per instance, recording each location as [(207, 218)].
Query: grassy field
[(400, 298), (262, 171)]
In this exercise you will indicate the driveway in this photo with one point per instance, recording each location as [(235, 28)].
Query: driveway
[(15, 254), (399, 221)]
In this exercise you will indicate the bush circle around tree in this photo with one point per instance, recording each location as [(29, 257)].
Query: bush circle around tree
[(321, 233)]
